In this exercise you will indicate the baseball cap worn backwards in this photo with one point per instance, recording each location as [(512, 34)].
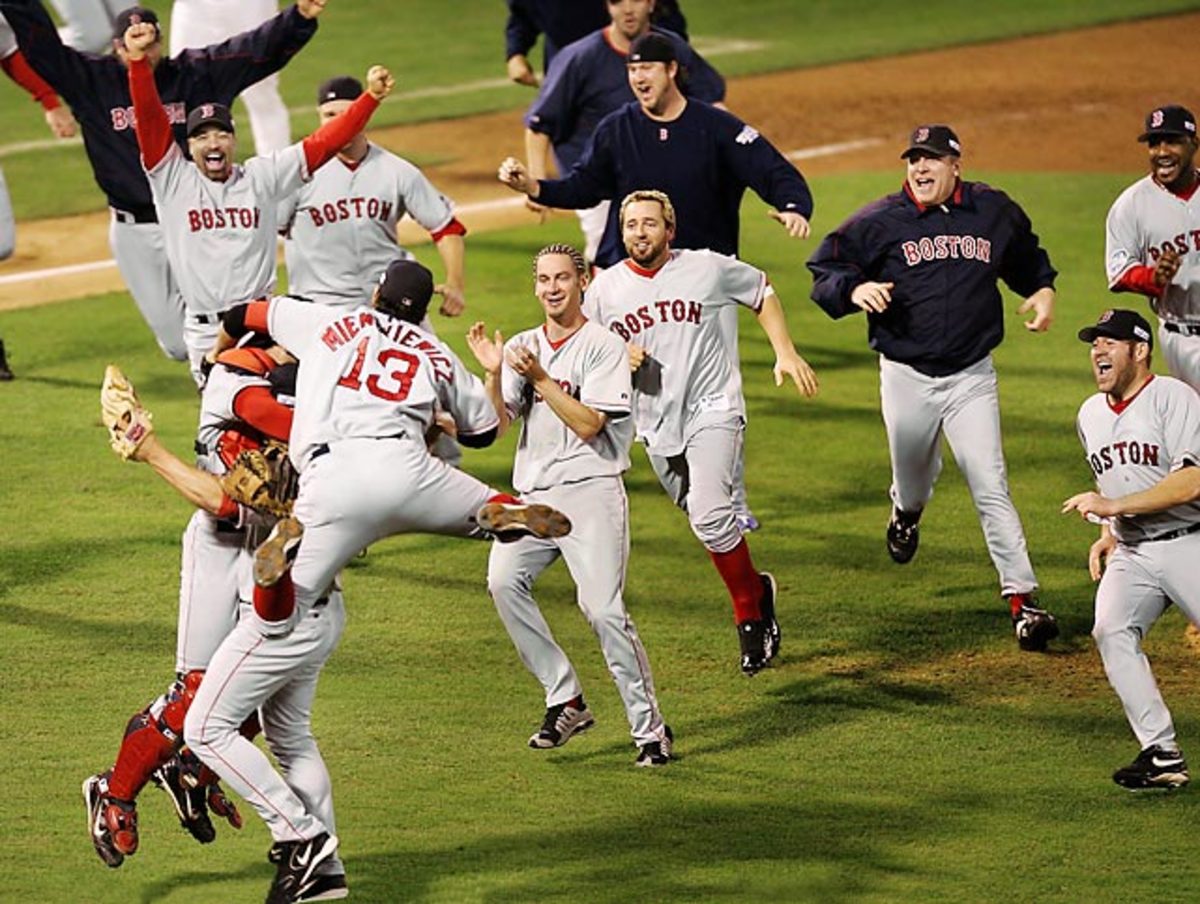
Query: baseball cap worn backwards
[(133, 16), (340, 87), (1169, 120), (405, 288), (652, 48), (209, 114), (933, 139), (1120, 323)]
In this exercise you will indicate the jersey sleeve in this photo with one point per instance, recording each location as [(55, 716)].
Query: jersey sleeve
[(520, 31), (285, 212), (1180, 413), (65, 69), (740, 282), (593, 178), (553, 113), (297, 325), (237, 63), (8, 40), (280, 173), (423, 202), (1026, 267), (839, 265), (1122, 243), (701, 81), (513, 386), (607, 383), (467, 401), (758, 165)]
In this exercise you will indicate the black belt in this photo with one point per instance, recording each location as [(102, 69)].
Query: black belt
[(141, 215), (1172, 534), (323, 448), (206, 318), (1184, 329)]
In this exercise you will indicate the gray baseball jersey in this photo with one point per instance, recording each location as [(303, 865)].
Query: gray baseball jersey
[(341, 226), (1144, 220), (592, 366), (1133, 446), (8, 41), (688, 379), (220, 236)]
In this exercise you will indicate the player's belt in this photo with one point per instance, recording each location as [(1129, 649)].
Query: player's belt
[(140, 215), (1174, 534), (1184, 329), (206, 318)]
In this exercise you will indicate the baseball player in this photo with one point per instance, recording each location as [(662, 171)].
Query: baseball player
[(368, 384), (688, 406), (1152, 238), (923, 263), (568, 380), (702, 157), (588, 81), (218, 218), (97, 89), (198, 23), (564, 21), (239, 410), (1141, 437)]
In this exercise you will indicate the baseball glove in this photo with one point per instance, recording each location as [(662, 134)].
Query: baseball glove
[(128, 423), (263, 479)]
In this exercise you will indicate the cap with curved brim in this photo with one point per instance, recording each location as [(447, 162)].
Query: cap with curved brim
[(1119, 323)]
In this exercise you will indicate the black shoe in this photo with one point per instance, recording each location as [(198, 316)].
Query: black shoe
[(189, 802), (5, 373), (1033, 625), (295, 874), (112, 823), (656, 753), (327, 888), (561, 722), (1154, 768), (754, 639), (903, 535), (767, 607)]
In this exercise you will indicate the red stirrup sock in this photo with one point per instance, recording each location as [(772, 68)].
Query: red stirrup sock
[(742, 580)]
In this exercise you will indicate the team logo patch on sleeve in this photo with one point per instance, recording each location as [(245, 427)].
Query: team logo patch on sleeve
[(748, 135)]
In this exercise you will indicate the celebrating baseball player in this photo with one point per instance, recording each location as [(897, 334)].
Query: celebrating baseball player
[(219, 218), (588, 81), (569, 381), (1152, 239), (239, 411), (367, 388), (1141, 437), (923, 263), (688, 406), (97, 89)]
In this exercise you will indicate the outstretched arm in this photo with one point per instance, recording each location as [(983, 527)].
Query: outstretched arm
[(1177, 488), (787, 360), (323, 144), (200, 488), (154, 128)]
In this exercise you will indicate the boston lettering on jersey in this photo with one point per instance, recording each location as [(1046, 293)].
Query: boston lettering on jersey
[(123, 117), (1125, 452), (345, 208), (677, 311), (224, 218), (943, 247), (1182, 243), (344, 329)]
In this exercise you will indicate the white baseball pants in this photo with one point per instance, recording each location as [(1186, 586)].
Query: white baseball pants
[(1182, 356), (141, 256), (213, 560)]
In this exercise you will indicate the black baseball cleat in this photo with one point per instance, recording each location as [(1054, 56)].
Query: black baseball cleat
[(903, 535), (1033, 625), (754, 637), (561, 723), (190, 802), (508, 521), (330, 887), (275, 556), (767, 606), (656, 753), (5, 372), (295, 874), (112, 823), (1155, 767)]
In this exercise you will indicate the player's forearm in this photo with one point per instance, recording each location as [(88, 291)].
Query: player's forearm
[(1139, 279), (19, 70), (154, 128), (583, 421), (200, 488), (773, 322), (492, 385), (251, 56), (452, 249), (323, 144), (1177, 488), (537, 154)]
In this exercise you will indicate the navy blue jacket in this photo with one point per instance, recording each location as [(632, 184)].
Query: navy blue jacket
[(946, 312), (704, 160), (97, 88), (564, 21)]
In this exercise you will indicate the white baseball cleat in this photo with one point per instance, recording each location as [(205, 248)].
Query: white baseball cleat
[(511, 521)]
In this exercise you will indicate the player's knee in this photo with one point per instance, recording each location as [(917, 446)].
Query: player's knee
[(1111, 635), (505, 586), (716, 528)]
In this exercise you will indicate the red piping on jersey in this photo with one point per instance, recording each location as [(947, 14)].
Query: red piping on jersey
[(956, 197), (642, 271), (1186, 194), (1120, 406), (565, 339), (1138, 278), (454, 227), (607, 32), (22, 73)]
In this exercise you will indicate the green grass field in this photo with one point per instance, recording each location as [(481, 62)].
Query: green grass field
[(902, 750)]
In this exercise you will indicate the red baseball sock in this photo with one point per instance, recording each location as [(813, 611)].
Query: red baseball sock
[(143, 749), (274, 604), (742, 580)]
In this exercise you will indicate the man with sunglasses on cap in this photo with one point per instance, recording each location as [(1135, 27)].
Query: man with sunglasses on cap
[(1141, 438), (97, 90), (1152, 238), (924, 264), (219, 218)]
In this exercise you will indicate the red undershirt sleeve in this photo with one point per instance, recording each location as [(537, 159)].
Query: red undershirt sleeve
[(334, 135), (22, 73), (153, 127), (257, 407), (1139, 279), (454, 227)]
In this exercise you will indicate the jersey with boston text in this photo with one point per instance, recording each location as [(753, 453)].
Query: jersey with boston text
[(688, 378), (1133, 446), (364, 374), (340, 226), (592, 366), (220, 236)]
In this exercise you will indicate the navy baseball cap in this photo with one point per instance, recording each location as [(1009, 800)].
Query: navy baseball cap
[(1120, 323), (933, 139), (133, 16), (653, 48), (1169, 120), (405, 289), (209, 114), (340, 87)]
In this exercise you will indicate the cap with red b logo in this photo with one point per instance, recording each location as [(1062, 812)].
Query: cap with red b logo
[(1170, 120)]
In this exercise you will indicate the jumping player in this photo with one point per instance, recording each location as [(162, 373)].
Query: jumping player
[(219, 218), (1152, 244), (688, 405), (1141, 437), (588, 81), (923, 263), (368, 383), (569, 381), (97, 89)]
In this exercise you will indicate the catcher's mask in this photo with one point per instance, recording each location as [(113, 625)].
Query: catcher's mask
[(404, 291)]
